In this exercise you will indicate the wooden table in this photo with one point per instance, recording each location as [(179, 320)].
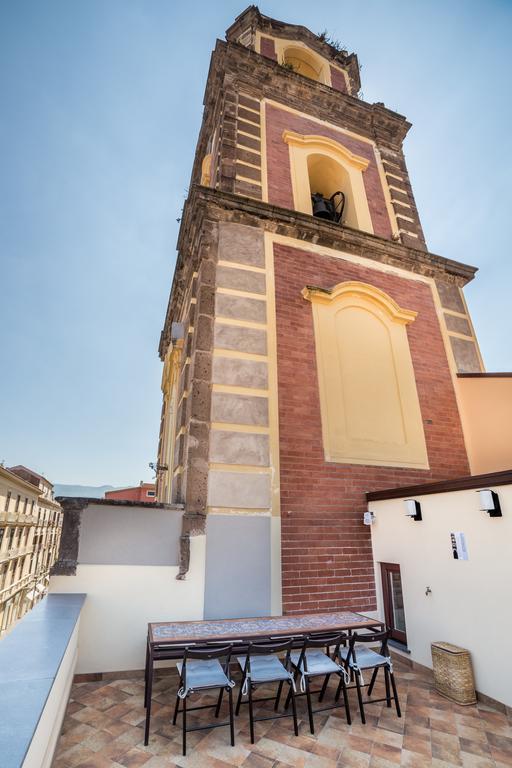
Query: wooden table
[(167, 640)]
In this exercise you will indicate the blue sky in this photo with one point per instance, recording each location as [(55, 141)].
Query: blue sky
[(101, 106)]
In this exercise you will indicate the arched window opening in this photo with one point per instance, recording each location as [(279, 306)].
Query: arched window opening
[(330, 190), (304, 63)]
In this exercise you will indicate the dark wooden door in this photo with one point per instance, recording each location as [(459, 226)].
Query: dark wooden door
[(393, 601)]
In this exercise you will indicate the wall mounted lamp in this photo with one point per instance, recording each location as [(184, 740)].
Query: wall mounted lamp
[(490, 502), (413, 509), (369, 518)]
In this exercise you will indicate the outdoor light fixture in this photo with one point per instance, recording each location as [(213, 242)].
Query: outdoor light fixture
[(490, 502), (413, 508), (369, 518)]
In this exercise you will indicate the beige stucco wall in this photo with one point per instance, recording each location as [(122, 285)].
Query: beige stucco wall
[(470, 600), (122, 599), (486, 411)]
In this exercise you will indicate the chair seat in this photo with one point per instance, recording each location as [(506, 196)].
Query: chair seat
[(318, 663), (266, 669), (365, 658), (206, 673)]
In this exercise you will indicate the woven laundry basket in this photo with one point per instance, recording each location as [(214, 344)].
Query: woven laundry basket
[(453, 673)]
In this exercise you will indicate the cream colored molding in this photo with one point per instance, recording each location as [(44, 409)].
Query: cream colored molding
[(242, 294), (273, 402), (262, 512), (251, 469), (394, 176), (238, 177), (263, 150), (464, 336), (249, 135), (387, 194), (218, 352), (368, 401), (227, 426), (233, 389), (248, 122), (234, 321), (352, 166), (206, 170), (248, 149), (399, 202), (356, 288), (249, 165), (237, 265), (406, 232), (455, 313), (323, 142), (477, 345), (404, 218)]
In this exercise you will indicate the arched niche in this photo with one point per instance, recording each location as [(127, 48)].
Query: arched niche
[(305, 63), (368, 398), (320, 164)]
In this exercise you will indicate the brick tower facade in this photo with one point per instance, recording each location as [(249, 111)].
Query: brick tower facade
[(310, 353)]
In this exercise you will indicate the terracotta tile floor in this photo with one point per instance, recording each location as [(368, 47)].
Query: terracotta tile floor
[(103, 728)]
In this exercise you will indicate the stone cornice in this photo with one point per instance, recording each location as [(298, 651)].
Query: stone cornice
[(205, 203)]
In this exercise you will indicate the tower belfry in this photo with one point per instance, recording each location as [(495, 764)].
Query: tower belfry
[(311, 342)]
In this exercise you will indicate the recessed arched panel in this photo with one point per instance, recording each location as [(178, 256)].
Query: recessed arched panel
[(368, 398), (304, 63)]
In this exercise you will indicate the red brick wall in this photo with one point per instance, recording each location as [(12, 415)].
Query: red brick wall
[(338, 81), (326, 549), (278, 164)]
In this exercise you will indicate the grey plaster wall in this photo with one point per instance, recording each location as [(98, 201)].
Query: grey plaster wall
[(237, 566), (121, 535)]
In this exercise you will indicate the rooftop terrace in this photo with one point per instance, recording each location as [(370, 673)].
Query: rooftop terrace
[(103, 728)]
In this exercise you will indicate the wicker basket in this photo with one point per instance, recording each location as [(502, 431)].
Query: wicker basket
[(453, 673)]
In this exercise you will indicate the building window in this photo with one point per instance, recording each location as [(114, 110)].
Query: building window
[(16, 506), (7, 501), (150, 493), (368, 399), (322, 166)]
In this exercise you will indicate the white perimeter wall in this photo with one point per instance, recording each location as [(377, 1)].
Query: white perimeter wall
[(122, 599), (471, 601)]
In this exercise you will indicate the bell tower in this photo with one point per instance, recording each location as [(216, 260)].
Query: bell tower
[(311, 342)]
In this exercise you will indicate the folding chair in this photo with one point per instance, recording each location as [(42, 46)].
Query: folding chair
[(358, 658), (201, 671), (261, 665), (313, 661)]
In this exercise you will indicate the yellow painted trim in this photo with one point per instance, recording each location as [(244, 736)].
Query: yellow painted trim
[(394, 176), (240, 468), (239, 355), (263, 147), (399, 202), (247, 149), (455, 313), (249, 122), (273, 402), (261, 512), (249, 135), (249, 109), (249, 165), (238, 177), (178, 471), (242, 294), (183, 397), (232, 389), (463, 336), (355, 288), (406, 232), (227, 426), (353, 166), (386, 191), (404, 218), (241, 323), (348, 435), (237, 265), (323, 142)]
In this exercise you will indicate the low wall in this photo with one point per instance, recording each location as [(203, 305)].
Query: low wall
[(469, 602), (37, 663), (126, 558)]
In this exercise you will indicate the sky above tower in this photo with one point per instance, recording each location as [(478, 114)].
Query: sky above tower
[(101, 107)]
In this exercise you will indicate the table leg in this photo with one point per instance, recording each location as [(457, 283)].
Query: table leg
[(149, 691)]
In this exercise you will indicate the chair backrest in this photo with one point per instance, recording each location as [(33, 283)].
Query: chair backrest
[(206, 653), (321, 641), (266, 648), (381, 637)]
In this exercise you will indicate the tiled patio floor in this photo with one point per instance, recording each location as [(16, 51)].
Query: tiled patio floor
[(103, 728)]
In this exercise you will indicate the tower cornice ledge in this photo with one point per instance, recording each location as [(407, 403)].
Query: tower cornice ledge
[(206, 204)]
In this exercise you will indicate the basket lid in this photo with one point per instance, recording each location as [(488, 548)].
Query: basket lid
[(449, 647)]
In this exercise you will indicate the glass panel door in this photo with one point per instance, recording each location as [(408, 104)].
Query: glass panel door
[(393, 601)]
